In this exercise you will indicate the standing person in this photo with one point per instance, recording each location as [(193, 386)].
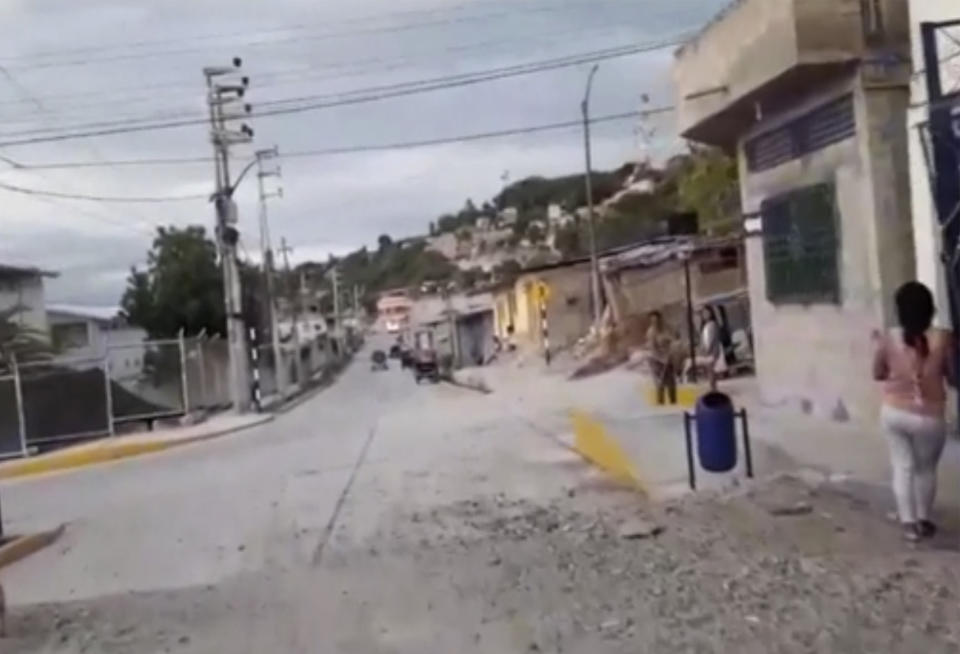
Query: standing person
[(711, 345), (660, 342), (913, 361)]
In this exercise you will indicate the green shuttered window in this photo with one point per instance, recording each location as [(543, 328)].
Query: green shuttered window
[(801, 245)]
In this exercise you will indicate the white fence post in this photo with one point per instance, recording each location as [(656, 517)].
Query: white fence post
[(184, 390), (201, 361), (21, 419), (108, 389)]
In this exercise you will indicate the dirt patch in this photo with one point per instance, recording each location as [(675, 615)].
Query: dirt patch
[(709, 573)]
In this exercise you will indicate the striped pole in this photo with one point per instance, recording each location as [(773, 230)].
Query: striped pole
[(255, 359), (544, 326)]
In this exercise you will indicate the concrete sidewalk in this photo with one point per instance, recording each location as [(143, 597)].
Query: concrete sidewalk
[(121, 447), (651, 442)]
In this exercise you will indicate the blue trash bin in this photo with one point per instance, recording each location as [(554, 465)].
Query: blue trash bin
[(716, 432)]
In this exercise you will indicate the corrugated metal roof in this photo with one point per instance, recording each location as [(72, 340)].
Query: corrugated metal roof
[(12, 270), (99, 313)]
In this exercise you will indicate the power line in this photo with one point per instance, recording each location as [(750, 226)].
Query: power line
[(353, 68), (402, 145), (279, 28), (350, 149), (100, 198), (388, 29), (108, 128), (118, 163), (399, 88), (91, 147)]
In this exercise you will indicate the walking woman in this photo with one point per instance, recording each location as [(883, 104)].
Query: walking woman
[(710, 350), (913, 361)]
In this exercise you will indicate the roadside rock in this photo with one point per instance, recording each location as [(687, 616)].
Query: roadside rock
[(639, 528)]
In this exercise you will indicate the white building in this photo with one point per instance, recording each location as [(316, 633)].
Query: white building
[(22, 295), (93, 333), (926, 227)]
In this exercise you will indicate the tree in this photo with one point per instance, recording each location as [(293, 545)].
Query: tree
[(181, 287), (708, 185), (470, 277), (384, 242), (507, 270)]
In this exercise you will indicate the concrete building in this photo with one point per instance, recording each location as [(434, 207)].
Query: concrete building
[(568, 304), (90, 334), (812, 97), (926, 228), (22, 295), (462, 325)]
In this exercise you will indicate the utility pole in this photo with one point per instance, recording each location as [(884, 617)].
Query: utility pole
[(285, 251), (336, 300), (266, 252), (220, 97), (591, 227)]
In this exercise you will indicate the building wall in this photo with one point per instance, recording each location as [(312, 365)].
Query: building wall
[(926, 228), (638, 291), (753, 41), (568, 306), (819, 354), (504, 311), (28, 292)]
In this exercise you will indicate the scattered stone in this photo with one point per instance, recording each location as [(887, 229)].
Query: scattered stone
[(637, 528), (183, 640), (495, 561), (799, 508)]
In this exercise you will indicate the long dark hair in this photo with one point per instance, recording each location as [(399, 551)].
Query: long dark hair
[(713, 315), (915, 311)]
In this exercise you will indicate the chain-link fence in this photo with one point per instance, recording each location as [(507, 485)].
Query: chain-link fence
[(147, 380), (268, 373), (51, 402), (64, 400), (206, 368), (11, 435)]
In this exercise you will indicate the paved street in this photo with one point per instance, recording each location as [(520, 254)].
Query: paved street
[(382, 516)]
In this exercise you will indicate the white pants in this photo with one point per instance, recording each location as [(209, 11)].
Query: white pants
[(916, 443)]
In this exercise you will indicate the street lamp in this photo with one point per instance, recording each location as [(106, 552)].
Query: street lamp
[(591, 227)]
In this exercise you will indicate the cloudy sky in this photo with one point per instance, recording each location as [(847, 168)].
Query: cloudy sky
[(72, 66)]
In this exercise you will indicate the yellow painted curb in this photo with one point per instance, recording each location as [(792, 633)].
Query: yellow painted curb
[(82, 455), (687, 394), (24, 546), (106, 450), (595, 444)]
